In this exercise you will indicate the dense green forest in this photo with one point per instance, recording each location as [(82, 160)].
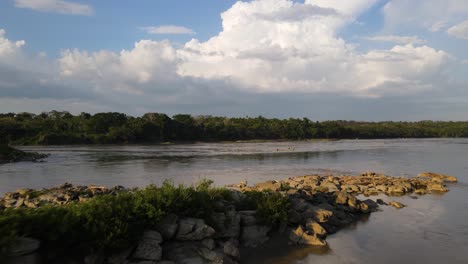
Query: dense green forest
[(103, 128)]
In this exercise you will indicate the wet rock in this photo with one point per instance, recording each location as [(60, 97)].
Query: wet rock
[(437, 187), (315, 228), (443, 177), (396, 204), (381, 202), (301, 237), (372, 206), (193, 229)]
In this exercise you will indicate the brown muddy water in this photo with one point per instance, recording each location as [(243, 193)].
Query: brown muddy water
[(432, 229)]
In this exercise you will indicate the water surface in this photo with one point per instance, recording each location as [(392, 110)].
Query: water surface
[(432, 229)]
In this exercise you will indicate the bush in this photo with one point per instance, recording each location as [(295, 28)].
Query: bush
[(272, 208), (107, 222)]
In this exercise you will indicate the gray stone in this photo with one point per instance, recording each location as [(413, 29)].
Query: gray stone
[(254, 235), (194, 229), (152, 235), (231, 249), (23, 246), (168, 226), (148, 249)]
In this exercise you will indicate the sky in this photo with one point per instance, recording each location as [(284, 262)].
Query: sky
[(321, 59)]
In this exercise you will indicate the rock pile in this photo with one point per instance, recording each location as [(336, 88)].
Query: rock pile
[(319, 205)]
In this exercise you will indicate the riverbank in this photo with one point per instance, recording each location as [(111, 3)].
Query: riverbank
[(208, 224), (9, 154)]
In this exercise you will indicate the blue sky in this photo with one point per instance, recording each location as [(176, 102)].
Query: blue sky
[(114, 25), (323, 59)]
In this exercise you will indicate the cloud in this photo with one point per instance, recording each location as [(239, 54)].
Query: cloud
[(7, 47), (168, 29), (397, 39), (459, 30), (264, 55), (56, 6), (432, 15), (271, 56)]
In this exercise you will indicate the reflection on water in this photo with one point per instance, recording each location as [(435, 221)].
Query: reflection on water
[(432, 229)]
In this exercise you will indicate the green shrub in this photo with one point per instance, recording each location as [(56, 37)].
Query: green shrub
[(272, 208), (108, 222)]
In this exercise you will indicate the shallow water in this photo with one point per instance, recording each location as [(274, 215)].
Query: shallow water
[(432, 229)]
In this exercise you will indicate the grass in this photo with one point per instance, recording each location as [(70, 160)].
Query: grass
[(110, 222)]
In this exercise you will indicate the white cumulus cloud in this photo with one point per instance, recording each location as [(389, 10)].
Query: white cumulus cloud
[(56, 6), (397, 39), (168, 29), (433, 15), (459, 30)]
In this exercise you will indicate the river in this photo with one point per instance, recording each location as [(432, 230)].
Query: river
[(432, 229)]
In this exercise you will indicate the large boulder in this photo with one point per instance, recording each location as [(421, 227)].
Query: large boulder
[(302, 237), (149, 247), (226, 224), (168, 226), (193, 229), (315, 228)]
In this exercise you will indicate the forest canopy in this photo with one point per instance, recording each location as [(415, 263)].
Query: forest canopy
[(56, 128)]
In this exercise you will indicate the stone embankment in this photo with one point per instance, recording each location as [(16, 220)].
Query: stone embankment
[(319, 205)]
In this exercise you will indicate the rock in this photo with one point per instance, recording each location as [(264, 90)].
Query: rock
[(443, 177), (437, 187), (168, 226), (120, 257), (152, 235), (25, 259), (294, 217), (226, 224), (319, 214), (372, 206), (191, 252), (268, 185), (381, 202), (301, 237), (248, 218), (230, 249), (148, 249), (315, 228), (396, 204), (254, 235), (208, 243), (193, 229), (23, 246), (94, 259), (331, 186)]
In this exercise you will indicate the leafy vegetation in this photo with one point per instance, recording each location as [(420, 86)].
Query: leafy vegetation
[(272, 207), (102, 128), (109, 222)]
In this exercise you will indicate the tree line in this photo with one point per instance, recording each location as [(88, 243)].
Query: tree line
[(55, 128)]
